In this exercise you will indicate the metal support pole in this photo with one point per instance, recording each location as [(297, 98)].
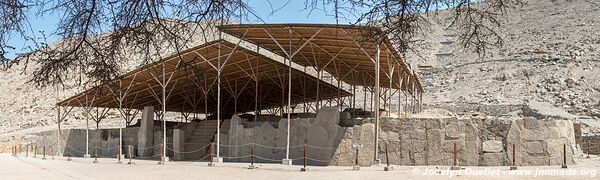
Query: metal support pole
[(376, 146), (164, 111), (87, 132), (34, 151), (27, 151), (287, 144), (120, 151), (455, 159), (219, 104)]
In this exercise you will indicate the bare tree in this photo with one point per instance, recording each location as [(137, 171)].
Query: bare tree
[(100, 36), (403, 20)]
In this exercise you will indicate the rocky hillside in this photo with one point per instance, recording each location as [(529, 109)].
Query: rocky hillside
[(551, 54)]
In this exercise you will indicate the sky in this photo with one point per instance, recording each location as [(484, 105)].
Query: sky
[(272, 11)]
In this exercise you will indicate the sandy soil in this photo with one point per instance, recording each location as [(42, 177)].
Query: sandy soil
[(79, 168)]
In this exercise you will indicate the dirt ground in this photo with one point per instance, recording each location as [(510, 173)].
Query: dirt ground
[(79, 168)]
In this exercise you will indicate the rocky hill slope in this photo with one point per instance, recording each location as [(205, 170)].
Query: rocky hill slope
[(551, 54)]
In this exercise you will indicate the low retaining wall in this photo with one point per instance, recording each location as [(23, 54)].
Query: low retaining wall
[(481, 141)]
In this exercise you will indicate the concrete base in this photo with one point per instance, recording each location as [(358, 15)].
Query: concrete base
[(356, 168), (388, 168), (286, 162), (564, 166), (130, 162), (513, 168), (252, 167), (217, 160), (95, 161), (87, 156), (455, 168), (303, 169), (69, 159), (43, 158), (210, 164)]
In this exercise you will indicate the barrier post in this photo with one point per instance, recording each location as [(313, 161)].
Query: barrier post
[(119, 155), (130, 154), (252, 157), (564, 166), (589, 148), (12, 151), (69, 152), (455, 159), (356, 167), (20, 150), (43, 152), (96, 155), (304, 169), (27, 151), (598, 152), (34, 151), (211, 149), (387, 159), (514, 163), (162, 157)]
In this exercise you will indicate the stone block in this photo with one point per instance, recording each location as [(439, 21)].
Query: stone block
[(178, 144), (434, 146), (534, 147), (493, 159), (328, 116), (146, 132), (492, 146)]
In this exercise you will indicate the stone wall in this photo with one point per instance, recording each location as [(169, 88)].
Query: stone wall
[(107, 139), (480, 141)]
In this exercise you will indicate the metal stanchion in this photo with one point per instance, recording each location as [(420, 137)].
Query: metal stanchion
[(455, 159), (356, 167), (96, 155), (514, 164), (211, 149), (20, 151), (387, 159), (69, 153), (27, 151), (43, 152), (119, 156), (162, 157), (34, 151), (12, 151), (252, 157), (564, 166), (304, 168), (129, 151), (589, 148)]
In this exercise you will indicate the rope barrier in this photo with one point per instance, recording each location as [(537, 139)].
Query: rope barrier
[(317, 147), (236, 157), (318, 160), (230, 146), (187, 152), (267, 159)]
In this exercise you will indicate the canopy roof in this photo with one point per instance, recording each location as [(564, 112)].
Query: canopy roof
[(188, 78), (347, 52)]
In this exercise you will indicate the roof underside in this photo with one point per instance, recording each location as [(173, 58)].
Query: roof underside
[(346, 52), (192, 83)]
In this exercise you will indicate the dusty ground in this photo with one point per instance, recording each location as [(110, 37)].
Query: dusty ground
[(35, 168)]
